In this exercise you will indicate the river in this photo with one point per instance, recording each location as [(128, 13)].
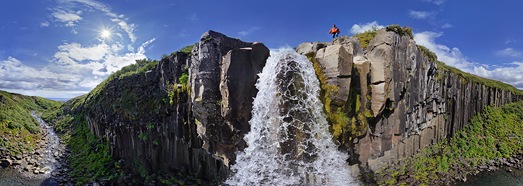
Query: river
[(48, 160), (495, 178)]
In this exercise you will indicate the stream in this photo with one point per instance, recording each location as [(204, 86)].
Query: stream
[(42, 166)]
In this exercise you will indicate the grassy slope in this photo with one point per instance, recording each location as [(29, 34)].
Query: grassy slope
[(18, 129), (496, 133), (483, 81), (90, 159)]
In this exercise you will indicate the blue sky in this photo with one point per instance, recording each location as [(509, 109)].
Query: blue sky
[(55, 48)]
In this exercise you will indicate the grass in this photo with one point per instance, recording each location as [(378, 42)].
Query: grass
[(366, 37), (432, 57), (495, 133), (89, 159), (442, 68), (402, 31), (122, 95), (19, 130)]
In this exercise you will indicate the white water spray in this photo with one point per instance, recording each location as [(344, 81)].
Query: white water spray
[(289, 142)]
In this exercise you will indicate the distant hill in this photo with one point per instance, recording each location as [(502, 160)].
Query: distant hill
[(18, 129)]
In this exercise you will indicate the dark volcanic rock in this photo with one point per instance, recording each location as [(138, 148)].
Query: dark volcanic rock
[(152, 121), (406, 102)]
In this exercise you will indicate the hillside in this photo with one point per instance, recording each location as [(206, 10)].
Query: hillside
[(20, 131)]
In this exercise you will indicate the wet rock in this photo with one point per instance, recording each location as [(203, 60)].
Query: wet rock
[(6, 162)]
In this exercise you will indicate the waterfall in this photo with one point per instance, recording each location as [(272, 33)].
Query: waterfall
[(289, 142)]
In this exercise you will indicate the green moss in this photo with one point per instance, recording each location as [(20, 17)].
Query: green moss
[(347, 122), (366, 37), (143, 136), (184, 80), (89, 159)]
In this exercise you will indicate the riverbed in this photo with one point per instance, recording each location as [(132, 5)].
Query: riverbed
[(495, 178), (41, 167)]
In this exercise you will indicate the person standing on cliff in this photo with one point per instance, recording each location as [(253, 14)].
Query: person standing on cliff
[(334, 31)]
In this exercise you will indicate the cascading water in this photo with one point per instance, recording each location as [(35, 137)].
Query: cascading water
[(289, 142)]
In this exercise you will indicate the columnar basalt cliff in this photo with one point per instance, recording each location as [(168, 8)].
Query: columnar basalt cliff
[(400, 99), (189, 112), (157, 121)]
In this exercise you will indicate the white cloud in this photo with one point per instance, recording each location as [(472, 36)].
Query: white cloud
[(75, 70), (509, 52), (120, 20), (193, 17), (72, 52), (437, 2), (446, 25), (68, 17), (421, 14), (44, 24), (359, 28), (249, 31), (510, 73), (451, 56), (509, 41)]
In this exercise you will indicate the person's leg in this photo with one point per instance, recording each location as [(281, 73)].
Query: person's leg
[(333, 35)]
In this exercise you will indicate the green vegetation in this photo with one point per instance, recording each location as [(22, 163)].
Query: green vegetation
[(346, 122), (427, 53), (89, 159), (17, 126), (443, 68), (186, 50), (184, 80), (366, 37), (495, 133), (402, 31), (143, 136)]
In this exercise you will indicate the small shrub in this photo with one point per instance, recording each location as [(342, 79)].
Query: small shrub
[(401, 31), (366, 37), (427, 53)]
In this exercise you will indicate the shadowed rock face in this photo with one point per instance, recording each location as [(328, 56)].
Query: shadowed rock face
[(410, 101), (199, 131)]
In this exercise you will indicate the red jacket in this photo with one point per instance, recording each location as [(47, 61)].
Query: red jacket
[(334, 30)]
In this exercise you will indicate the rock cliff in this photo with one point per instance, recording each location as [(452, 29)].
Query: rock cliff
[(186, 114), (400, 98)]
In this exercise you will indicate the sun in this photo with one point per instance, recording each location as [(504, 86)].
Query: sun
[(105, 34)]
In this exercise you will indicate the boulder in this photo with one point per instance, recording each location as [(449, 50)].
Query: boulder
[(309, 47), (6, 162), (351, 44), (336, 64)]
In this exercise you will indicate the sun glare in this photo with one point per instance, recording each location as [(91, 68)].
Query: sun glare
[(105, 34)]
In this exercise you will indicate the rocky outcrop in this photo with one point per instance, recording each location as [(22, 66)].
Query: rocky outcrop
[(223, 74), (336, 64), (158, 122), (404, 102)]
